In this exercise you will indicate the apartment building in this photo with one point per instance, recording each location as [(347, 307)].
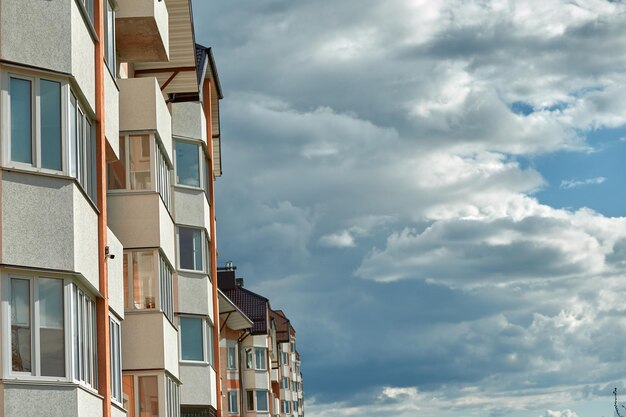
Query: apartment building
[(290, 394), (110, 144), (263, 357)]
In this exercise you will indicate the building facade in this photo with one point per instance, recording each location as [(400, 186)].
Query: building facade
[(110, 145)]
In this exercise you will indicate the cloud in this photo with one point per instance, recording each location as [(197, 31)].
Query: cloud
[(567, 184), (390, 129), (338, 240), (564, 413)]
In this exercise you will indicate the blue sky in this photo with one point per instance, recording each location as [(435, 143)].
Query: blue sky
[(433, 192)]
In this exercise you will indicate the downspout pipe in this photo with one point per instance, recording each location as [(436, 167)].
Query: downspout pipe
[(213, 250), (102, 304)]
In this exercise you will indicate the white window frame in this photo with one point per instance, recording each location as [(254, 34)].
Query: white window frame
[(264, 356), (115, 336), (165, 306), (161, 170), (85, 307), (35, 80), (234, 357), (203, 251), (172, 397), (203, 169), (204, 339), (267, 400), (68, 328), (234, 410)]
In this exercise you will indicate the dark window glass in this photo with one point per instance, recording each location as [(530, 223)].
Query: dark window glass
[(50, 101), (191, 339), (187, 164), (21, 121)]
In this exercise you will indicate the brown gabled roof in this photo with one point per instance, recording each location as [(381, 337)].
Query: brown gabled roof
[(253, 305), (282, 325)]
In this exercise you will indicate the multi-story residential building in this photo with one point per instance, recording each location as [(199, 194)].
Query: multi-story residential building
[(254, 347), (288, 369), (270, 378), (110, 144)]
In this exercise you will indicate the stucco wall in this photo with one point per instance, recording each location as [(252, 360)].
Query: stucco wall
[(188, 120), (83, 62), (50, 401), (192, 208), (116, 275), (23, 40), (85, 238), (196, 389), (194, 294), (149, 341), (111, 113)]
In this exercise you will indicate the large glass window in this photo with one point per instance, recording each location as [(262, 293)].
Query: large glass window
[(21, 120), (109, 36), (142, 166), (139, 162), (50, 101), (262, 403), (21, 325), (187, 163), (209, 338), (233, 405), (51, 327), (148, 396), (260, 356), (84, 338), (172, 396), (191, 339), (146, 275), (231, 361), (46, 327), (116, 359), (190, 248), (82, 164)]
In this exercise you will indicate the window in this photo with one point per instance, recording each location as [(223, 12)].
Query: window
[(192, 347), (231, 359), (142, 166), (190, 248), (284, 407), (187, 163), (84, 337), (82, 160), (284, 382), (148, 396), (232, 402), (172, 397), (284, 356), (260, 356), (250, 400), (249, 358), (36, 114), (209, 334), (295, 406), (140, 282), (116, 359), (89, 8), (262, 403), (109, 36), (47, 328)]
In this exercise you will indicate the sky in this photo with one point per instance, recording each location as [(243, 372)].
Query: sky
[(434, 192)]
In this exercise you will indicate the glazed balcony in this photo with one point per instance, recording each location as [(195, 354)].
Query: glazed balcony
[(142, 31), (143, 109)]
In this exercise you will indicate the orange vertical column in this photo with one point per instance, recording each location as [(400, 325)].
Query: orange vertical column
[(102, 305), (216, 314)]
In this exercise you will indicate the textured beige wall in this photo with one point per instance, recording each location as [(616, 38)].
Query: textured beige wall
[(188, 121)]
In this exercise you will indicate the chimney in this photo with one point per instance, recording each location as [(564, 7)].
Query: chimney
[(239, 282)]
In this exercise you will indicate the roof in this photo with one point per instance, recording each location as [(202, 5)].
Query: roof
[(234, 318), (282, 325), (253, 305)]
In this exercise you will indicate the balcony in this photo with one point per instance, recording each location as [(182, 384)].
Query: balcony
[(142, 108), (142, 31), (141, 220), (149, 341)]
